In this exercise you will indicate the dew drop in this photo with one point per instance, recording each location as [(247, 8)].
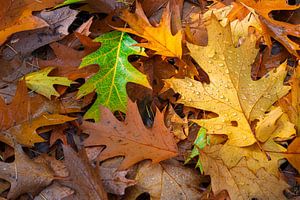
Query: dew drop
[(190, 84), (190, 100), (234, 114), (210, 62), (221, 64), (197, 92), (227, 71), (221, 96)]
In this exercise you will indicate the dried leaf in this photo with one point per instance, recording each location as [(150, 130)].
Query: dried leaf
[(26, 134), (54, 192), (17, 16), (25, 175), (160, 38), (124, 138), (166, 180), (41, 83), (240, 182), (83, 178)]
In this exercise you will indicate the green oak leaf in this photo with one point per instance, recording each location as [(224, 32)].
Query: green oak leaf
[(115, 72), (68, 2)]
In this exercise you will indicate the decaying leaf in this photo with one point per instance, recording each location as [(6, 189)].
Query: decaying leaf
[(166, 180), (41, 83), (160, 38), (240, 182), (25, 175), (237, 100), (83, 178), (115, 72), (124, 138)]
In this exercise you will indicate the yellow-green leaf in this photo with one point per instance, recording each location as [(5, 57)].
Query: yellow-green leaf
[(41, 83)]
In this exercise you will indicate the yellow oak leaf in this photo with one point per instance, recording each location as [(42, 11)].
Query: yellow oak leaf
[(280, 128), (231, 93), (41, 83), (160, 38), (240, 182), (25, 133)]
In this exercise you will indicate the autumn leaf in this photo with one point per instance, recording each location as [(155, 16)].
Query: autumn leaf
[(166, 180), (293, 153), (41, 83), (291, 103), (237, 100), (83, 178), (160, 38), (240, 182), (231, 92), (26, 134), (17, 16), (115, 72), (277, 29), (124, 138), (25, 175), (68, 59)]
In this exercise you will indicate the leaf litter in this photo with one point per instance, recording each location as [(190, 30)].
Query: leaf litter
[(123, 99)]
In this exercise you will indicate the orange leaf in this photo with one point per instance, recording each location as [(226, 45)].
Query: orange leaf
[(26, 134), (293, 153), (276, 29), (131, 138), (160, 38)]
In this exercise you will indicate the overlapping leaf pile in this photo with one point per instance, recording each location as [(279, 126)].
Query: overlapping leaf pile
[(81, 110)]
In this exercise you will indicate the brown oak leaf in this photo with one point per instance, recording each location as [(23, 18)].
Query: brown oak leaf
[(131, 138)]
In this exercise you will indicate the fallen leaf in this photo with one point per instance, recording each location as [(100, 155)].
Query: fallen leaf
[(238, 100), (166, 180), (123, 138), (17, 16), (293, 153), (231, 92), (54, 192), (277, 29), (68, 59), (25, 175), (41, 83), (83, 178), (240, 182), (114, 181), (291, 103), (25, 42), (115, 72), (26, 134), (178, 125), (160, 38)]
